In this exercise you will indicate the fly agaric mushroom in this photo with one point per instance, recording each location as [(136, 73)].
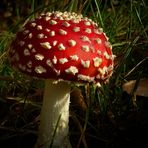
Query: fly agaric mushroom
[(61, 47)]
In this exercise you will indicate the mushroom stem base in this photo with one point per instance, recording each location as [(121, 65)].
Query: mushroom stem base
[(54, 119)]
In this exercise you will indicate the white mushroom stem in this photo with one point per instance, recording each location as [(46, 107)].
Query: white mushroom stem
[(53, 130)]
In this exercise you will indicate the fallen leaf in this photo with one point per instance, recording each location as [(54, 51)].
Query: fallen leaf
[(142, 88)]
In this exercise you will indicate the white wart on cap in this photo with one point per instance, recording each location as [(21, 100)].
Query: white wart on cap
[(63, 45)]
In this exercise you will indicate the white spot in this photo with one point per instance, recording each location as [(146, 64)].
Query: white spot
[(97, 61), (40, 36), (108, 45), (98, 84), (26, 52), (99, 41), (33, 50), (39, 57), (39, 69), (74, 57), (106, 36), (88, 30), (106, 55), (85, 64), (26, 32), (113, 56), (21, 43), (62, 32), (53, 22), (54, 60), (40, 17), (99, 52), (55, 43), (29, 46), (52, 33), (39, 27), (92, 49), (60, 18), (76, 21), (42, 14), (76, 29), (98, 31), (56, 71), (72, 42), (29, 64), (85, 78), (57, 14), (33, 24), (47, 18), (110, 67), (85, 48), (71, 70), (46, 45), (48, 14), (98, 76), (63, 60), (61, 46), (85, 39), (103, 70), (48, 30), (30, 35), (66, 24), (49, 63), (87, 23)]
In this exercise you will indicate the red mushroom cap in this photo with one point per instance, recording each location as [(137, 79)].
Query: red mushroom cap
[(63, 45)]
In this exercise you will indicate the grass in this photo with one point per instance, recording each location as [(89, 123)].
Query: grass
[(108, 113)]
